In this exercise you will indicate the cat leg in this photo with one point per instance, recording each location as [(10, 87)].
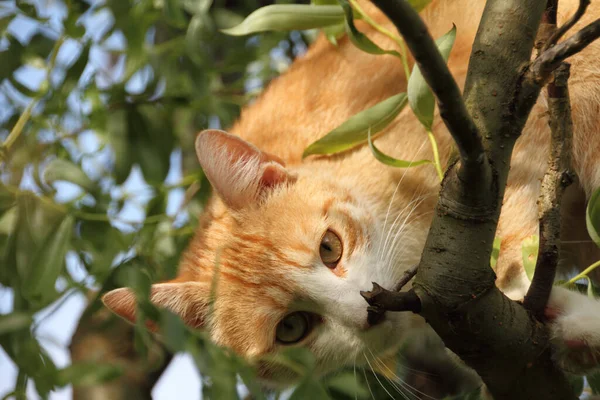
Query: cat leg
[(575, 325)]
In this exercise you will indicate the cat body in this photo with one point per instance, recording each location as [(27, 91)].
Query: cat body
[(293, 242)]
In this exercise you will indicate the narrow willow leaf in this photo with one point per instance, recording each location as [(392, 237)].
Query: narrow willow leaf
[(592, 217), (529, 252), (390, 160), (49, 260), (418, 5), (355, 130), (14, 322), (495, 252), (420, 96), (287, 17), (359, 39), (64, 170)]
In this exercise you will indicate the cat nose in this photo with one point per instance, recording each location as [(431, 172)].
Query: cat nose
[(375, 316)]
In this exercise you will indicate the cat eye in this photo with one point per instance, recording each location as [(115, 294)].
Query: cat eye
[(293, 328), (330, 249)]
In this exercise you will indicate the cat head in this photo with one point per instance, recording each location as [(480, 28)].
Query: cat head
[(281, 257)]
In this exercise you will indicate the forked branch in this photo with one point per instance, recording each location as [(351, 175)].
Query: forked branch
[(558, 33), (550, 59)]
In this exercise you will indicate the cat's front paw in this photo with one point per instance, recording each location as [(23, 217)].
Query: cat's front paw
[(575, 324)]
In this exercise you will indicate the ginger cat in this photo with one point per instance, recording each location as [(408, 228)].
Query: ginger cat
[(294, 241)]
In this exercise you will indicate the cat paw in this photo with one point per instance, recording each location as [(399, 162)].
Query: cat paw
[(575, 325)]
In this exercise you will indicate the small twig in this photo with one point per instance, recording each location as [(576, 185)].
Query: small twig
[(387, 300), (558, 33), (433, 67), (406, 277), (375, 312), (549, 60), (555, 181)]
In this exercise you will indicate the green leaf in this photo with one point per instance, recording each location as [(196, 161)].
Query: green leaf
[(529, 252), (23, 89), (73, 27), (172, 331), (197, 6), (381, 157), (11, 57), (49, 261), (355, 130), (64, 170), (76, 69), (309, 389), (7, 198), (39, 45), (250, 380), (14, 322), (594, 382), (88, 373), (346, 383), (297, 359), (420, 96), (174, 14), (288, 17), (359, 39), (590, 288), (592, 217), (198, 32), (495, 252), (4, 22)]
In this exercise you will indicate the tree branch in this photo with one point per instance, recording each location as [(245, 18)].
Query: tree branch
[(549, 60), (440, 80), (555, 181), (558, 33), (454, 283), (388, 300), (381, 300)]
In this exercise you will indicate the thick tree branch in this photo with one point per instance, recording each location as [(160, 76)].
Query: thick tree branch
[(440, 80), (454, 283), (556, 179)]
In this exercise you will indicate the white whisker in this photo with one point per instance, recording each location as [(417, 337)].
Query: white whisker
[(394, 196), (376, 377)]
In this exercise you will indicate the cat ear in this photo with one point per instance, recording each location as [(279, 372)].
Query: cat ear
[(183, 298), (238, 171)]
